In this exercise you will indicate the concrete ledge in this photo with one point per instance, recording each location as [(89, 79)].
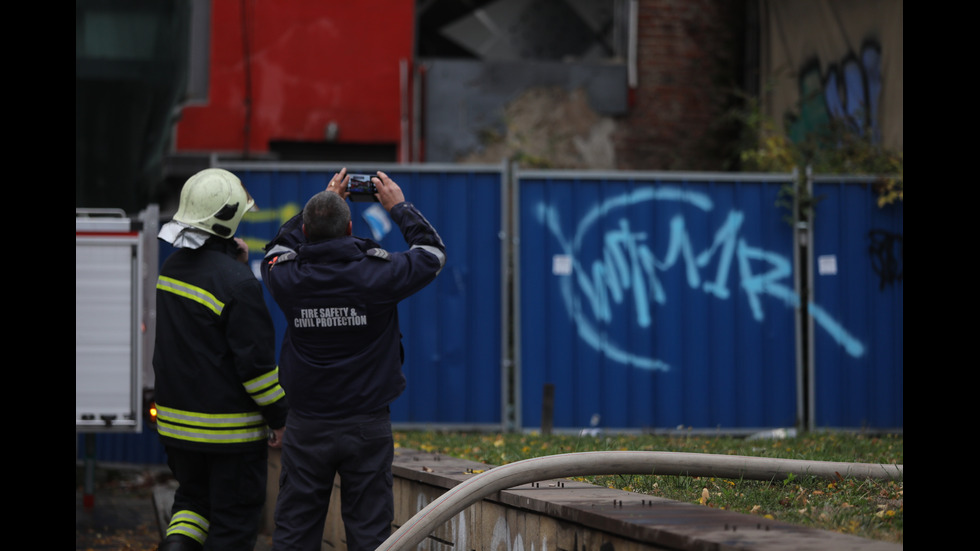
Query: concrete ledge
[(560, 514), (570, 515)]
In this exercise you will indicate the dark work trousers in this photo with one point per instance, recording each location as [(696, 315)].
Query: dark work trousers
[(227, 489), (360, 450)]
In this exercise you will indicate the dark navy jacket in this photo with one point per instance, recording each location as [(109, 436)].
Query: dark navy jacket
[(341, 353)]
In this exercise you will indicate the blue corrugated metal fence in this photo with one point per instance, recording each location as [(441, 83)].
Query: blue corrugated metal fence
[(858, 304), (451, 329), (647, 300), (656, 300)]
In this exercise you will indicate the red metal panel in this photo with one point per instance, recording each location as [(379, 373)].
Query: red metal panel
[(305, 64)]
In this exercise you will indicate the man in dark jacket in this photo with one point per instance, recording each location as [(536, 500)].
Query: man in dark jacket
[(216, 382), (341, 360)]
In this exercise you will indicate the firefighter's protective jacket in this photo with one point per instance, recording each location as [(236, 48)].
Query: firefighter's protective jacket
[(341, 353), (216, 381)]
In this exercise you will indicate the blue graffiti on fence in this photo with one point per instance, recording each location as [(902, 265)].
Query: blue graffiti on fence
[(627, 270)]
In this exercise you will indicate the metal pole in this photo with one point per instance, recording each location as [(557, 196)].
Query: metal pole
[(88, 498)]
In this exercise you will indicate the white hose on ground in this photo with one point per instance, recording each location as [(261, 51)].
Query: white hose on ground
[(536, 469)]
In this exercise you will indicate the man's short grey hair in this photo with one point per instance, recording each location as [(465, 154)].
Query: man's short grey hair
[(326, 216)]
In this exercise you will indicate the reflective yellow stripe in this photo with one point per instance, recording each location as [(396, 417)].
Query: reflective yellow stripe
[(227, 428), (270, 396), (218, 420), (211, 436), (189, 524), (262, 381), (185, 290), (265, 389)]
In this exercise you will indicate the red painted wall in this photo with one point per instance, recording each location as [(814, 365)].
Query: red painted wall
[(309, 62)]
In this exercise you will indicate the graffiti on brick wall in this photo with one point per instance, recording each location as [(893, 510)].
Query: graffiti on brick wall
[(504, 540), (848, 92), (455, 534), (628, 270)]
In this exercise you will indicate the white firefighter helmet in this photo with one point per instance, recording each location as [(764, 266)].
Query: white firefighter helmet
[(213, 200)]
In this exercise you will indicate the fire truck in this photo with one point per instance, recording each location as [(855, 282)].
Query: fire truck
[(115, 264)]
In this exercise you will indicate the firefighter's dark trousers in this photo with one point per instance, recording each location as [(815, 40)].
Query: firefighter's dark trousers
[(220, 496), (314, 451)]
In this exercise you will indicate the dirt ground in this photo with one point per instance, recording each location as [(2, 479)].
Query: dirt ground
[(119, 511)]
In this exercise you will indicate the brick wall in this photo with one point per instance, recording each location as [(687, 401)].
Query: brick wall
[(689, 55)]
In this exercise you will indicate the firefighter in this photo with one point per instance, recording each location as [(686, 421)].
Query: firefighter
[(220, 406), (341, 360)]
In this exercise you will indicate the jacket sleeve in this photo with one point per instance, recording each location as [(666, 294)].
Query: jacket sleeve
[(251, 334), (418, 232), (286, 241)]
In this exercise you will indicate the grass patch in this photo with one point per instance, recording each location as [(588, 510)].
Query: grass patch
[(871, 509)]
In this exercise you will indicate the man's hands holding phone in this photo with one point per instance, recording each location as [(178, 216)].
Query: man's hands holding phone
[(385, 190)]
